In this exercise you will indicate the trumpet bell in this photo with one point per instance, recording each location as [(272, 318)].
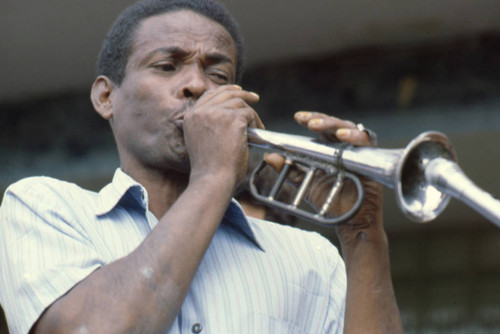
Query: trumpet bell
[(418, 198)]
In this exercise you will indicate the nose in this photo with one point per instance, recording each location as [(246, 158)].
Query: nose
[(194, 83)]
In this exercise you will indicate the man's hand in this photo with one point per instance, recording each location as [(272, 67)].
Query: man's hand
[(215, 131), (370, 302), (335, 130)]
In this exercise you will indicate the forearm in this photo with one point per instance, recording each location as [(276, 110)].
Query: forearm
[(371, 305), (143, 292)]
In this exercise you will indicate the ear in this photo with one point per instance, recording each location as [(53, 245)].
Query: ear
[(101, 96)]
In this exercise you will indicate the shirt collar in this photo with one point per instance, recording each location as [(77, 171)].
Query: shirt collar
[(113, 193), (123, 185), (235, 216)]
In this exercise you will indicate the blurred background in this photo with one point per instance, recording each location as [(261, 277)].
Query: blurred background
[(401, 67)]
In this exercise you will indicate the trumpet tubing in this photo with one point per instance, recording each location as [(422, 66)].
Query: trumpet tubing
[(424, 174)]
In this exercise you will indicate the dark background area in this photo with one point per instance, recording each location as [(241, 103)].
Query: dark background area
[(445, 273)]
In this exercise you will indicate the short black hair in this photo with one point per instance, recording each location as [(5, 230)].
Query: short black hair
[(116, 47)]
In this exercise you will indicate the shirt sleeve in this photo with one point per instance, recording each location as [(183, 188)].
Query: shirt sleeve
[(44, 251)]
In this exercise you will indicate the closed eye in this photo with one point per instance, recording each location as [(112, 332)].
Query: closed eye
[(220, 78), (164, 67)]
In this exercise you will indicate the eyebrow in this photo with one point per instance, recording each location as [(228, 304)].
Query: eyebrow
[(212, 58), (217, 57), (173, 50)]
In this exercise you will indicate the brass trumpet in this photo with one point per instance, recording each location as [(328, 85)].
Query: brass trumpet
[(424, 175)]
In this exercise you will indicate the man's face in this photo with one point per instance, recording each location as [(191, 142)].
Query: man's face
[(175, 58)]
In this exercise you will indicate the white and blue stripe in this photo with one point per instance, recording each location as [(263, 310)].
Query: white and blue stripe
[(256, 276)]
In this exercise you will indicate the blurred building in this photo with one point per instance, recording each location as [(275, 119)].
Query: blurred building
[(400, 67)]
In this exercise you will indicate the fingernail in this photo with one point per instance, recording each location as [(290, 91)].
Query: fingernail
[(255, 95), (237, 87), (343, 133), (302, 114), (316, 121)]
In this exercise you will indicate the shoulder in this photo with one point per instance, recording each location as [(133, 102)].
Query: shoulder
[(43, 206), (42, 191), (46, 185)]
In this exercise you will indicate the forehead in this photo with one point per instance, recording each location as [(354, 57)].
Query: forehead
[(185, 29)]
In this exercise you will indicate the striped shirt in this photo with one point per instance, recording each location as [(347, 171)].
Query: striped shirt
[(256, 276)]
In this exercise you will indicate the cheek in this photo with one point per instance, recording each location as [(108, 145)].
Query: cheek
[(142, 97), (154, 99), (145, 90), (139, 102)]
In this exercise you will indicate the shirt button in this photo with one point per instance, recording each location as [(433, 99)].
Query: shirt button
[(196, 328)]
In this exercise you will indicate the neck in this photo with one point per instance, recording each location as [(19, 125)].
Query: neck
[(163, 186)]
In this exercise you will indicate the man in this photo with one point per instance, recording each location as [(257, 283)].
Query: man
[(163, 248)]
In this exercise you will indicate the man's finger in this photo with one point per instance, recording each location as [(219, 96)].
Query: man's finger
[(275, 160), (256, 121), (353, 136), (228, 92)]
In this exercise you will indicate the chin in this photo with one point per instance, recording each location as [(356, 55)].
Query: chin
[(179, 165)]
